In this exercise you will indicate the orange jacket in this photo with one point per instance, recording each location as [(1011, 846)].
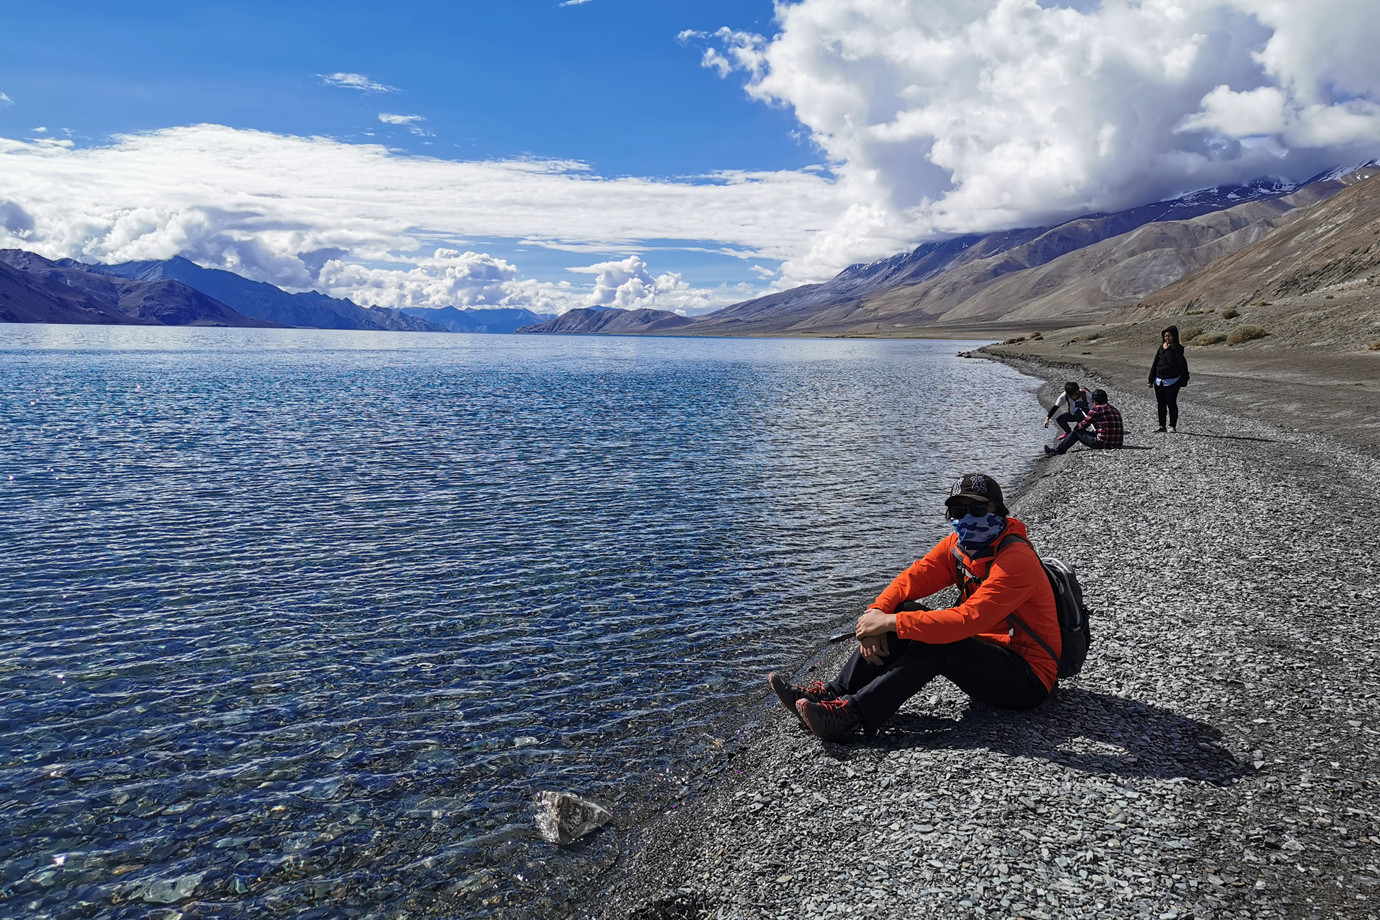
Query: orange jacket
[(1013, 582)]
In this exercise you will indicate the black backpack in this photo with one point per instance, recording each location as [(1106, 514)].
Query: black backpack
[(1068, 601)]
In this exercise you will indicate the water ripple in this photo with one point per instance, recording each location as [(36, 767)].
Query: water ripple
[(295, 624)]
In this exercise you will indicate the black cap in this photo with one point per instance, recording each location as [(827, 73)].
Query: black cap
[(977, 487)]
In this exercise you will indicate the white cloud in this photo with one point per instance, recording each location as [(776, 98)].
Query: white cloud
[(574, 2), (264, 205), (628, 285), (355, 81), (5, 101), (929, 117), (449, 277), (411, 122), (942, 117)]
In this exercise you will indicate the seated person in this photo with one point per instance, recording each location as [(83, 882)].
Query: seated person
[(1101, 429), (973, 644)]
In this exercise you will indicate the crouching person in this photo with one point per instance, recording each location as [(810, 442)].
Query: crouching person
[(973, 644), (1102, 429)]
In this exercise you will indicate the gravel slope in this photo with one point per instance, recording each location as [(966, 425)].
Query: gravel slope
[(1217, 758)]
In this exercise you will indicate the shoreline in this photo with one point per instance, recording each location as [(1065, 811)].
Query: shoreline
[(1215, 759)]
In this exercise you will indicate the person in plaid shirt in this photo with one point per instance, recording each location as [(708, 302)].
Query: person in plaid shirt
[(1105, 424)]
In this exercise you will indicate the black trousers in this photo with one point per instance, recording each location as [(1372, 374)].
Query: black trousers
[(987, 672), (1067, 420), (1167, 403)]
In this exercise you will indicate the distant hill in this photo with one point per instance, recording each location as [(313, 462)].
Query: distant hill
[(1067, 273), (38, 290), (957, 270), (477, 319), (271, 304), (1038, 277), (26, 298), (586, 321)]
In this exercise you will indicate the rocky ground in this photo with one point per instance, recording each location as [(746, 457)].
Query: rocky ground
[(1314, 365), (1216, 759)]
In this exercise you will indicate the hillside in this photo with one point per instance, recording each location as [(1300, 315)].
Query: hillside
[(266, 302), (1036, 278), (26, 298), (34, 289), (920, 287), (588, 321), (1070, 273), (1286, 327)]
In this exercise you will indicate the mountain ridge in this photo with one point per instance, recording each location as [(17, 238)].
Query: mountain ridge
[(1069, 273), (69, 291), (264, 301)]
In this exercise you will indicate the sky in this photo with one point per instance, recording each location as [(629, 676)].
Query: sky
[(669, 154)]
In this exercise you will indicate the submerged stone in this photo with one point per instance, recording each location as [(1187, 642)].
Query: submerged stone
[(563, 818)]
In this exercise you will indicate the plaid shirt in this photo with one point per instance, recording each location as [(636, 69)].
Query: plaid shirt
[(1107, 421)]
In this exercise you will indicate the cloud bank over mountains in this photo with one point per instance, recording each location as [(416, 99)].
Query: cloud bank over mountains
[(930, 118), (943, 117), (396, 227)]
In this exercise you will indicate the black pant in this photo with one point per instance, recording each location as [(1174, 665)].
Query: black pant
[(1073, 437), (987, 672), (1067, 420), (1167, 403)]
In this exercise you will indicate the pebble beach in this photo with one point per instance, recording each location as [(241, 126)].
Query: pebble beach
[(1219, 756)]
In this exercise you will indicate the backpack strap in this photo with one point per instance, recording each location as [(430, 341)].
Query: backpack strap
[(960, 569)]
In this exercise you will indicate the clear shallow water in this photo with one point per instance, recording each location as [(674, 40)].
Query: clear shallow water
[(296, 623)]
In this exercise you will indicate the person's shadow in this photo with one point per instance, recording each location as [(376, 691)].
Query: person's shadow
[(1082, 730)]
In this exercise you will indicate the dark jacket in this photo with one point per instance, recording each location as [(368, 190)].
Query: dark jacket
[(1170, 362)]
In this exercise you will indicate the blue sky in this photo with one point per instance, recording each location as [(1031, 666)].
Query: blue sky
[(669, 154), (603, 81)]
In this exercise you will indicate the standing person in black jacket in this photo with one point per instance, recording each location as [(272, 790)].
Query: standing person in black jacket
[(1168, 372)]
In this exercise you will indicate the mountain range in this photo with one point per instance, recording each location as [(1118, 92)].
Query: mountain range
[(1041, 277), (1229, 243), (178, 292), (37, 290), (266, 302)]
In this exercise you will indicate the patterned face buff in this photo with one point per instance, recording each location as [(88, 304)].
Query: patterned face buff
[(978, 531)]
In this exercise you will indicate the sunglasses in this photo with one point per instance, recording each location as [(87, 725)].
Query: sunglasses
[(957, 510)]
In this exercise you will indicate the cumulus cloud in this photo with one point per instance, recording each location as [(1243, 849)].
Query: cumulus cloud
[(930, 118), (355, 81), (350, 219), (942, 118), (445, 277), (628, 285)]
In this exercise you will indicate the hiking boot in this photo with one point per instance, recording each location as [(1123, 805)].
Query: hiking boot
[(789, 694), (1049, 451), (830, 719)]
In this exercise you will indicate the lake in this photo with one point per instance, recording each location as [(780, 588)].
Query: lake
[(297, 623)]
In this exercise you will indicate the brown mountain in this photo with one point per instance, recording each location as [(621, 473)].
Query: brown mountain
[(1067, 274), (1335, 244), (1077, 272)]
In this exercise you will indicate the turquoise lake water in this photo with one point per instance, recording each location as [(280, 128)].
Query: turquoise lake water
[(296, 623)]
